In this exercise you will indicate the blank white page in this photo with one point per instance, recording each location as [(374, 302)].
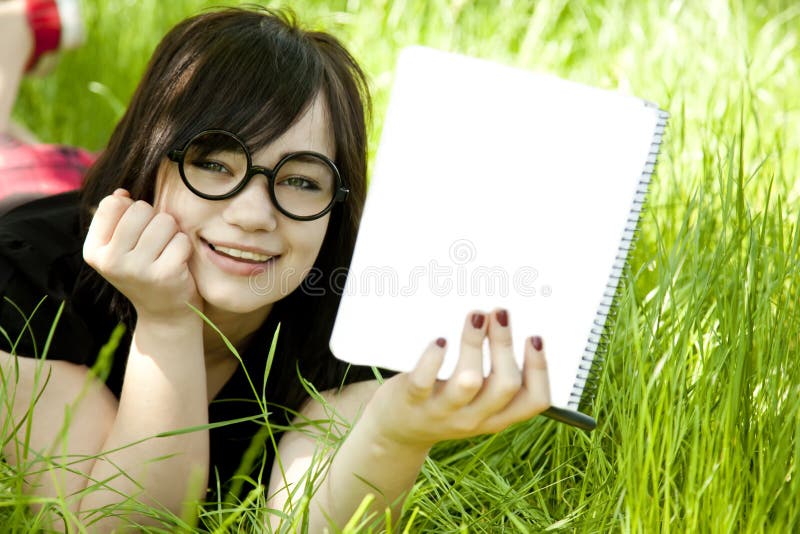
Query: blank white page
[(493, 187)]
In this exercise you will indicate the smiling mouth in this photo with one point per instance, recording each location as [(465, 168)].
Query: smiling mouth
[(244, 256)]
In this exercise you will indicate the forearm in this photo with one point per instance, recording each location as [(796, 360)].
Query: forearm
[(164, 390), (365, 463)]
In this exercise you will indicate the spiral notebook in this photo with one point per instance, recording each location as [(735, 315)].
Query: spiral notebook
[(498, 187)]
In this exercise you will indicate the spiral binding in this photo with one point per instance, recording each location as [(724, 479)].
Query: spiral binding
[(593, 359)]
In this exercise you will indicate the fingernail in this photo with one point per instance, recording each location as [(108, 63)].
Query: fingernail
[(441, 342), (502, 317), (536, 341), (477, 320)]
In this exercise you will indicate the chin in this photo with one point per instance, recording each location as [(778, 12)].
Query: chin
[(243, 295), (242, 300)]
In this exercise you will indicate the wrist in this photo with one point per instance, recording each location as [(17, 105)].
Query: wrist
[(179, 313), (175, 343), (169, 325), (387, 441)]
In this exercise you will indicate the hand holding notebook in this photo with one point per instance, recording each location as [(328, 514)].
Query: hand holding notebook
[(425, 411), (497, 188)]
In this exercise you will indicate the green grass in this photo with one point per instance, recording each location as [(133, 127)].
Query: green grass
[(699, 406)]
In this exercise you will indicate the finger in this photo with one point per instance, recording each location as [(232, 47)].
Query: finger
[(120, 192), (534, 395), (467, 378), (131, 225), (505, 379), (175, 256), (422, 378), (501, 347), (156, 235), (104, 221)]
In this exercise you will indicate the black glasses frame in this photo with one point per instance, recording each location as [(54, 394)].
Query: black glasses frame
[(339, 195)]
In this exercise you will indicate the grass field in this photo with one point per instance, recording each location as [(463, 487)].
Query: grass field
[(699, 405)]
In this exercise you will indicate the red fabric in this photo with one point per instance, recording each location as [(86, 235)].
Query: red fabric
[(45, 24), (41, 169)]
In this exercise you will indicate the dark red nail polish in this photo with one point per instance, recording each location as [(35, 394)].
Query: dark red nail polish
[(502, 317), (441, 342), (536, 341), (477, 320)]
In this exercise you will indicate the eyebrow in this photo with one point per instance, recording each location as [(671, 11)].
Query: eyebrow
[(306, 156), (290, 152)]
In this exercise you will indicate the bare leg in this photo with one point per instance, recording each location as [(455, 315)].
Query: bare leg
[(16, 42)]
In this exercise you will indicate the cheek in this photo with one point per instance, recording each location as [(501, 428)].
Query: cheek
[(165, 189), (317, 237), (173, 198), (306, 245)]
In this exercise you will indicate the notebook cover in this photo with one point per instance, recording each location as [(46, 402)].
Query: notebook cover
[(497, 187)]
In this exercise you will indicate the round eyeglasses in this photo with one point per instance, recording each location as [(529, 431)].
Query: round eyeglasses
[(216, 164)]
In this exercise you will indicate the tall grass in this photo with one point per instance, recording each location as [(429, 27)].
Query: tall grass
[(699, 404)]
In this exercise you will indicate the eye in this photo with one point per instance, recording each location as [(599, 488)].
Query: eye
[(300, 182), (211, 166)]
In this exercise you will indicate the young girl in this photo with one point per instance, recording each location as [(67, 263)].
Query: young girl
[(242, 154)]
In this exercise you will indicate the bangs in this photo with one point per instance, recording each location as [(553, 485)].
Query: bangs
[(254, 82)]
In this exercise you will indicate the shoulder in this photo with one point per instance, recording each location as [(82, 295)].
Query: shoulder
[(40, 260), (39, 232), (44, 206), (40, 244)]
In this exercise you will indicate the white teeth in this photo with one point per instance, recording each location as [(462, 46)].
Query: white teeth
[(244, 254)]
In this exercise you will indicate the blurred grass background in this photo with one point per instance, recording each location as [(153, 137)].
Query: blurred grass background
[(699, 406)]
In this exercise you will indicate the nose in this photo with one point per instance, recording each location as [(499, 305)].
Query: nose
[(251, 208)]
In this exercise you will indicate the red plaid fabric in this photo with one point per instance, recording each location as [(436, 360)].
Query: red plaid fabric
[(40, 169)]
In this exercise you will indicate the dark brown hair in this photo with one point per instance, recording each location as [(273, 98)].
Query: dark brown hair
[(252, 72)]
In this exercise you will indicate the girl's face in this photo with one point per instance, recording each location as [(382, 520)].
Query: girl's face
[(221, 230)]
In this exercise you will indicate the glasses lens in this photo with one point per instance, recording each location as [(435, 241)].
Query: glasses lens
[(304, 185), (215, 163)]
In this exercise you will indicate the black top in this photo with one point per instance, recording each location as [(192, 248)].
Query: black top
[(40, 262)]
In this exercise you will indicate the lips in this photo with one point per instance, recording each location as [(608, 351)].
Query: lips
[(239, 259), (239, 254)]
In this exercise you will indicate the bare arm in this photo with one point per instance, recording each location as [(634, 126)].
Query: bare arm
[(67, 418), (164, 390), (403, 418), (144, 255), (65, 427), (389, 469)]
